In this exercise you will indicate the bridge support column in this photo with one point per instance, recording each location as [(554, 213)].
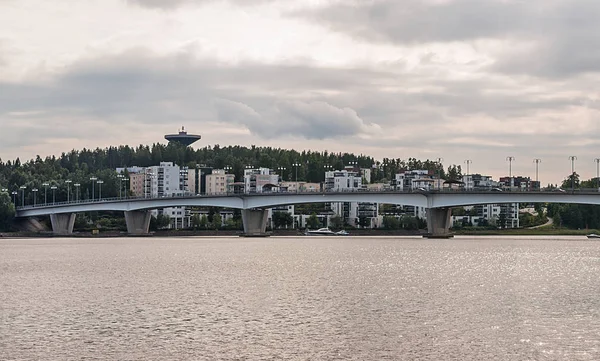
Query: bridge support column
[(438, 223), (62, 223), (138, 222), (255, 222)]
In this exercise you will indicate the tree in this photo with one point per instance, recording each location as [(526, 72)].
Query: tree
[(217, 221), (203, 222), (390, 222), (282, 219), (162, 221), (364, 222), (313, 221), (336, 222), (7, 212)]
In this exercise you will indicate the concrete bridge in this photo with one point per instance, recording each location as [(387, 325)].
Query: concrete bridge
[(254, 206)]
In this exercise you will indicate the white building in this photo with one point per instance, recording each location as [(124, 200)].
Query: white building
[(260, 180), (169, 180), (351, 212)]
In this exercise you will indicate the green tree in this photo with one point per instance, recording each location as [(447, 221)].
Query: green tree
[(7, 212), (336, 222), (217, 221), (282, 219), (313, 221), (390, 222), (203, 222)]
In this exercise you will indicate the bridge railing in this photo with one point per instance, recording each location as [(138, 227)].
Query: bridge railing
[(308, 192)]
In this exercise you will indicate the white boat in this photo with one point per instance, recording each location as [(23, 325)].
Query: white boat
[(593, 235), (320, 232), (342, 233)]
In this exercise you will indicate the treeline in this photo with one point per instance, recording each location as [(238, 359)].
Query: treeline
[(79, 166)]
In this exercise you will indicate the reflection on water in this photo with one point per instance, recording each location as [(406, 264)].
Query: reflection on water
[(310, 298)]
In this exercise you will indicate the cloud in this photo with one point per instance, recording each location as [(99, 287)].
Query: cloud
[(309, 120), (173, 4), (557, 38)]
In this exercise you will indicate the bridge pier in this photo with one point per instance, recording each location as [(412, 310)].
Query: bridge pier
[(439, 222), (62, 223), (138, 222), (255, 222)]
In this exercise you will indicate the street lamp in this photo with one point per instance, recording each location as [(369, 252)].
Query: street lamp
[(53, 188), (227, 168), (510, 180), (34, 190), (93, 179), (76, 185), (125, 180), (22, 188), (597, 160), (282, 171), (440, 167), (100, 182), (537, 162), (572, 158), (68, 182), (468, 162), (14, 194), (296, 165), (120, 176), (45, 184)]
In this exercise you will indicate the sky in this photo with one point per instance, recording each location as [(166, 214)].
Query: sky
[(477, 80)]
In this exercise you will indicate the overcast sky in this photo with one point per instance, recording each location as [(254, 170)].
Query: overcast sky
[(456, 79)]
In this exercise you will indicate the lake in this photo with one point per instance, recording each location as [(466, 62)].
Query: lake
[(300, 298)]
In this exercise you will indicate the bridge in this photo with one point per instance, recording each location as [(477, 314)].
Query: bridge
[(255, 206)]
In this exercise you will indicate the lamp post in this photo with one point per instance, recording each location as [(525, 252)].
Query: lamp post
[(22, 188), (281, 171), (510, 180), (125, 180), (440, 167), (77, 185), (100, 182), (227, 168), (468, 162), (34, 190), (537, 162), (45, 184), (68, 182), (296, 165), (120, 176), (597, 160), (14, 194), (572, 158), (53, 188), (93, 180)]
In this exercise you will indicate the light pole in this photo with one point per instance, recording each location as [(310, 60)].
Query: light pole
[(440, 167), (227, 168), (120, 176), (14, 194), (281, 171), (537, 162), (76, 185), (125, 180), (100, 182), (22, 188), (93, 179), (68, 182), (34, 190), (468, 162), (597, 160), (510, 180), (296, 165), (45, 184), (53, 188), (572, 158)]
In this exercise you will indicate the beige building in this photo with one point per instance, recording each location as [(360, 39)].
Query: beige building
[(218, 182), (136, 184)]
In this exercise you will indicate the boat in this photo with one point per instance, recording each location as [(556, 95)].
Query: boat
[(342, 233), (320, 232), (593, 235)]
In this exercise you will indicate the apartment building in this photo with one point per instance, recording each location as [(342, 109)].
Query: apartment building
[(219, 182)]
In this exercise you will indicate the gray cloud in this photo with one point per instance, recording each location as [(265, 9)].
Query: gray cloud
[(556, 38), (172, 4)]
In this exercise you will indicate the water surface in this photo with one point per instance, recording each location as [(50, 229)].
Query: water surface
[(304, 298)]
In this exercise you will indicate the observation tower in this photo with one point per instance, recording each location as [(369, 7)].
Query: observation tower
[(182, 138)]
